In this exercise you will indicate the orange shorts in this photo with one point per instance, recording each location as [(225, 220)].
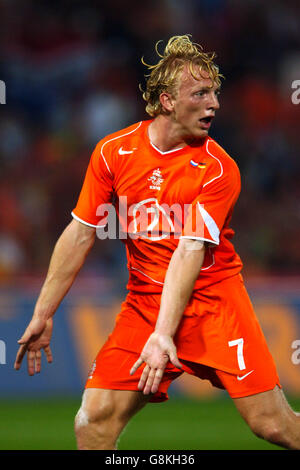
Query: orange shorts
[(218, 339)]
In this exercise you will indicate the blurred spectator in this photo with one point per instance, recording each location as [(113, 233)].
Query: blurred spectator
[(72, 72), (11, 256)]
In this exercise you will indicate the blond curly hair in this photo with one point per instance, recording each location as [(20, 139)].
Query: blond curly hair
[(164, 76)]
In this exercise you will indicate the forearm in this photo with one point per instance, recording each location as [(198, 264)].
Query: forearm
[(68, 257), (182, 273)]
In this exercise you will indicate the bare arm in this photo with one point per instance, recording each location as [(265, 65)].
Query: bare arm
[(183, 270), (68, 257)]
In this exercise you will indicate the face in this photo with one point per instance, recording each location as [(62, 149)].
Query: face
[(193, 108)]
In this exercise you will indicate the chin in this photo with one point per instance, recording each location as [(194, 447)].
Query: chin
[(201, 133), (196, 133)]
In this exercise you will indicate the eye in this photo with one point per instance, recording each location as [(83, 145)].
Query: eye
[(200, 93)]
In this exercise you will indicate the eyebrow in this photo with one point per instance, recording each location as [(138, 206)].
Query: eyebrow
[(206, 88)]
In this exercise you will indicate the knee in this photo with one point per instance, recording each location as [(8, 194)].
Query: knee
[(96, 427), (268, 428), (93, 414)]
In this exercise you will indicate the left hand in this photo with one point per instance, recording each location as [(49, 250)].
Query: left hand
[(36, 337), (157, 352)]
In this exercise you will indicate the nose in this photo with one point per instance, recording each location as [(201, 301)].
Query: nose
[(213, 103)]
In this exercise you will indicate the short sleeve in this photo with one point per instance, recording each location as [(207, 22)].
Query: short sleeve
[(208, 213), (96, 192)]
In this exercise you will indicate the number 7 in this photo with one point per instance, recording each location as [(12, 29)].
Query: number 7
[(240, 344)]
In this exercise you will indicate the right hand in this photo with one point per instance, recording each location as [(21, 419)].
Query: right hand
[(157, 352), (36, 337)]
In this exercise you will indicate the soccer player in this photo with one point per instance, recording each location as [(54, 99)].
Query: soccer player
[(187, 310)]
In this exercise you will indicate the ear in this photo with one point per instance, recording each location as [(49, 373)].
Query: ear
[(166, 101)]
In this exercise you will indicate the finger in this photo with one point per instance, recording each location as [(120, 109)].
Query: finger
[(31, 362), (38, 357), (48, 353), (144, 377), (174, 359), (20, 355), (136, 365), (149, 382), (157, 379), (148, 386)]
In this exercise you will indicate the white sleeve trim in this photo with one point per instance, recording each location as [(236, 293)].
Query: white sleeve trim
[(221, 166), (210, 224), (84, 222), (114, 138), (200, 238)]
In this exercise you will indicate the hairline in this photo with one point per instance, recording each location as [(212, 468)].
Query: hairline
[(187, 66)]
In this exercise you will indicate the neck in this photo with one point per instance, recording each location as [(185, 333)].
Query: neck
[(164, 135)]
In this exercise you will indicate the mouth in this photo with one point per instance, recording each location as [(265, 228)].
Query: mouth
[(206, 122)]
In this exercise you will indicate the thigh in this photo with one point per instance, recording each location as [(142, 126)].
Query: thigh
[(270, 404), (114, 405)]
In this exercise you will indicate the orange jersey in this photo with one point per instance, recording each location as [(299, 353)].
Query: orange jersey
[(159, 198)]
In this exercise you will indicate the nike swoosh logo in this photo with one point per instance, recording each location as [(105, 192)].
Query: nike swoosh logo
[(242, 377), (125, 152)]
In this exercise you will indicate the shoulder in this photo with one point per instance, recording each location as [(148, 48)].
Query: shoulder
[(220, 164), (220, 157), (115, 138), (109, 148)]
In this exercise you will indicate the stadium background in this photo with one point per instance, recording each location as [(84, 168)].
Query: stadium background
[(72, 71)]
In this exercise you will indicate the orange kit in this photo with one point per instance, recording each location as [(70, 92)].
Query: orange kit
[(160, 197)]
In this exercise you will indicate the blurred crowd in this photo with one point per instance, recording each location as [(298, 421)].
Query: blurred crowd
[(72, 71)]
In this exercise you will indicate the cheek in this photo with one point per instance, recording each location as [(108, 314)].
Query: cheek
[(193, 113), (194, 105), (189, 110)]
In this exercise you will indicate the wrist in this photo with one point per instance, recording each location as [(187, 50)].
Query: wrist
[(162, 332), (42, 314)]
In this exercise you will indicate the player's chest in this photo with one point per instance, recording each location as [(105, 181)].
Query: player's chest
[(169, 181)]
